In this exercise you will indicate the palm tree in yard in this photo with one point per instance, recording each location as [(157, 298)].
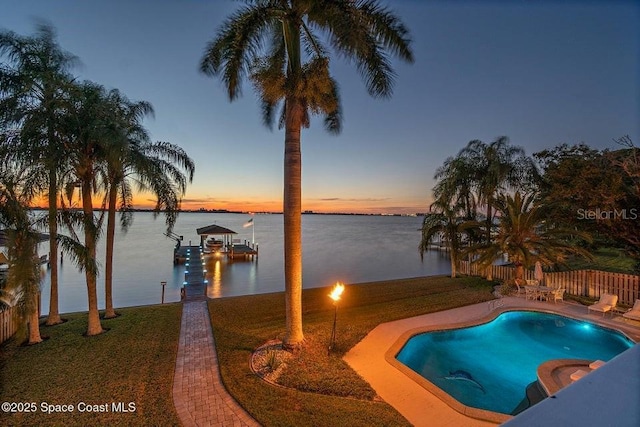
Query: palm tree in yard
[(33, 82), (447, 222), (132, 159), (496, 167), (23, 277), (525, 234), (277, 44), (455, 185), (86, 141)]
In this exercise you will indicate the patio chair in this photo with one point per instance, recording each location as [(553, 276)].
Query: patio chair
[(533, 282), (531, 292), (556, 295), (520, 283), (634, 312), (606, 303)]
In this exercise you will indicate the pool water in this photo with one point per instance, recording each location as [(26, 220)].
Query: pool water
[(489, 366)]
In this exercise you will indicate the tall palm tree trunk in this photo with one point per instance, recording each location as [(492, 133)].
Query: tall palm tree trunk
[(489, 270), (454, 264), (34, 322), (292, 209), (519, 271), (108, 266), (54, 315), (94, 327)]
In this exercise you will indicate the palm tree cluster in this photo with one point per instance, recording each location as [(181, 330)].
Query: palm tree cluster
[(282, 46), (58, 134), (487, 205)]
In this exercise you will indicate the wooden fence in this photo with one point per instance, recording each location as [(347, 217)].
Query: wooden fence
[(8, 323), (589, 283)]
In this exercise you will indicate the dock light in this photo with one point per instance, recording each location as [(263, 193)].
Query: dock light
[(335, 295)]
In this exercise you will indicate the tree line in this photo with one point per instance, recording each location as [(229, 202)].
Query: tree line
[(59, 135), (492, 199)]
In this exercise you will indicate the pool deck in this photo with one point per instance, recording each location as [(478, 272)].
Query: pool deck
[(370, 357)]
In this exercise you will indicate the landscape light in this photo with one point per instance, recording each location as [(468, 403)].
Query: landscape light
[(335, 295)]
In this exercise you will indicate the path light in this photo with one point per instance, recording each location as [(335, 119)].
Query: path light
[(335, 294)]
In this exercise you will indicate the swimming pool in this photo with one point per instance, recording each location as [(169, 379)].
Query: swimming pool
[(489, 366)]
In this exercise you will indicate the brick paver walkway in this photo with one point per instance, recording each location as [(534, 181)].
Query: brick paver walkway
[(198, 393)]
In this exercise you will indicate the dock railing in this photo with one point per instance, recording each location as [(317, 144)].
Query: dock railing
[(588, 283), (8, 323)]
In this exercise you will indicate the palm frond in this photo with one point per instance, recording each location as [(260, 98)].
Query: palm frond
[(238, 45)]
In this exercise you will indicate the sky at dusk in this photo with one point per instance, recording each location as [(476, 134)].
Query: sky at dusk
[(541, 72)]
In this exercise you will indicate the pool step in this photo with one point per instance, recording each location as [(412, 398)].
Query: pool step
[(534, 394)]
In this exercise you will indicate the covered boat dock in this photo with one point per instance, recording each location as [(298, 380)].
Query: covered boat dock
[(218, 240)]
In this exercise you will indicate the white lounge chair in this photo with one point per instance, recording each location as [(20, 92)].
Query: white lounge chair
[(634, 312), (606, 303)]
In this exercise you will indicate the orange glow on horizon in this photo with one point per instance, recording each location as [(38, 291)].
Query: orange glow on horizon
[(145, 201)]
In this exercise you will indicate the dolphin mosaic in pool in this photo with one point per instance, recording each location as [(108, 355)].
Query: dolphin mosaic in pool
[(464, 376)]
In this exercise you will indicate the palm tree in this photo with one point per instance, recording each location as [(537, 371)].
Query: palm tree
[(525, 234), (89, 134), (455, 184), (155, 167), (277, 44), (23, 277), (447, 222), (33, 83), (496, 167)]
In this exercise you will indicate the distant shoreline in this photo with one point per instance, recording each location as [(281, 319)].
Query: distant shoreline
[(202, 210)]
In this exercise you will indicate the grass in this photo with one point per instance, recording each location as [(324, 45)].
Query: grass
[(321, 389), (605, 259), (133, 361)]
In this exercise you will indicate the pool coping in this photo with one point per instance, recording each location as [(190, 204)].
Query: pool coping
[(547, 373), (412, 403)]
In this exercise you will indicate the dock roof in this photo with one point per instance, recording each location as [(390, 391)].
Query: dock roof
[(214, 230)]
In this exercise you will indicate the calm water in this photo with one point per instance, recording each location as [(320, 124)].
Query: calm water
[(502, 356), (346, 248)]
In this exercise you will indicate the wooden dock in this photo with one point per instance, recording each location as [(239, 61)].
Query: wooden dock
[(242, 251), (233, 251), (194, 285)]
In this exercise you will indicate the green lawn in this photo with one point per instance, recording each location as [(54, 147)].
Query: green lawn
[(133, 362), (605, 259), (323, 389)]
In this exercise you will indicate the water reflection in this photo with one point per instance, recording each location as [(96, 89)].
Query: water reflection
[(215, 289)]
